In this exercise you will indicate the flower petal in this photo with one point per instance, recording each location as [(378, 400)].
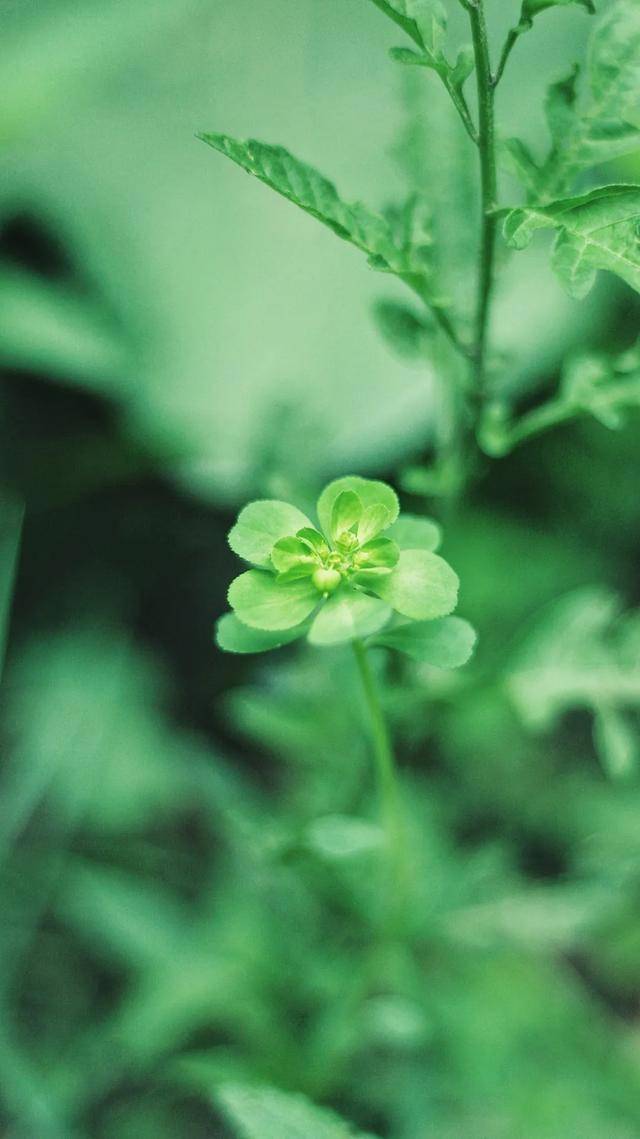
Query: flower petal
[(412, 532), (346, 616), (371, 492), (259, 527), (262, 602), (234, 637), (422, 586), (445, 643)]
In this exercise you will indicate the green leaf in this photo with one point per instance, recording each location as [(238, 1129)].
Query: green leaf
[(614, 66), (403, 13), (601, 386), (338, 837), (266, 1113), (422, 586), (431, 24), (260, 525), (616, 741), (445, 643), (375, 518), (413, 532), (404, 330), (347, 615), (262, 602), (378, 552), (596, 231), (293, 554), (532, 8), (316, 195), (234, 637), (371, 492), (605, 123), (11, 515), (345, 512), (582, 653)]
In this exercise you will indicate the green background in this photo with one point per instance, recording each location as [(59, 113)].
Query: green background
[(175, 340)]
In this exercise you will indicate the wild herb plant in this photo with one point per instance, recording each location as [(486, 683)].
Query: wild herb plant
[(593, 117), (206, 930), (360, 576), (366, 576)]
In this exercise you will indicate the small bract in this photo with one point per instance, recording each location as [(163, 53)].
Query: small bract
[(360, 570)]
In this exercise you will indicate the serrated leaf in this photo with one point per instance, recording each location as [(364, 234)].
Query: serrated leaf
[(348, 615), (371, 493), (601, 386), (582, 654), (400, 11), (431, 24), (316, 195), (599, 230), (422, 586), (614, 64), (260, 525), (262, 602), (414, 532), (445, 643), (605, 124), (267, 1113), (234, 637)]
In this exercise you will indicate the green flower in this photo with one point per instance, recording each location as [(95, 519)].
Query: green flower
[(362, 571)]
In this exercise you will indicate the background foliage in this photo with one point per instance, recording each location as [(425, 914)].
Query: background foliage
[(188, 843)]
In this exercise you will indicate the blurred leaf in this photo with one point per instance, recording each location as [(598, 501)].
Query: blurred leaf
[(405, 331), (83, 710), (616, 741), (346, 616), (266, 1113), (46, 327), (602, 126), (234, 637), (343, 836), (445, 643), (11, 515), (582, 654)]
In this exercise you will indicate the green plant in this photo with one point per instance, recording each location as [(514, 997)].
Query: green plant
[(367, 576), (591, 122)]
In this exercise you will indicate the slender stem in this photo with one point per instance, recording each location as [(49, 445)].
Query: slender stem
[(512, 38), (489, 180), (388, 786), (438, 311)]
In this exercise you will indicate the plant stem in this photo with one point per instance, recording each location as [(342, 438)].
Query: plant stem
[(488, 194), (510, 42), (388, 786)]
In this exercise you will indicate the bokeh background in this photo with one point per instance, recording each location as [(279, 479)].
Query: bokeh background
[(175, 340)]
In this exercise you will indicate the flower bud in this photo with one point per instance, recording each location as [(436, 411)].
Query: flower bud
[(326, 580)]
